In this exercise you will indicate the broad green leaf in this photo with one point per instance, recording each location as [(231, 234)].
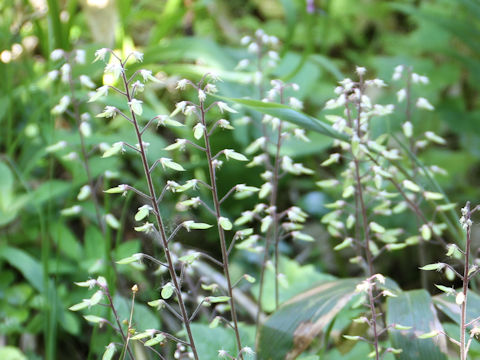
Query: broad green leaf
[(291, 329), (209, 340), (447, 305), (26, 264), (415, 308), (11, 353), (143, 316), (284, 112)]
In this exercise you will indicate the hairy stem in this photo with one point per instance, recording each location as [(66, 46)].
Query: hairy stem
[(117, 320), (463, 326), (221, 232), (373, 321), (159, 221), (273, 204)]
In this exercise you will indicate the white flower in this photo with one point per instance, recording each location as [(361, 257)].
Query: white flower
[(273, 55), (114, 68), (348, 84), (401, 95), (259, 33), (57, 54), (108, 112), (300, 134), (416, 79), (214, 76), (65, 71), (397, 74), (138, 56), (245, 40), (56, 147), (225, 124), (382, 110), (295, 103), (136, 106), (273, 40), (146, 75), (138, 86), (182, 84), (181, 106), (80, 56), (222, 353), (53, 75), (360, 70), (61, 106), (248, 350), (295, 87), (101, 91), (210, 89), (242, 64), (423, 103), (253, 48), (85, 129), (224, 107), (201, 95), (376, 82), (407, 128), (335, 103), (100, 54), (189, 110), (86, 81), (424, 79)]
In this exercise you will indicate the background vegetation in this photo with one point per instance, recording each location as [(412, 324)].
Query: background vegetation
[(42, 253)]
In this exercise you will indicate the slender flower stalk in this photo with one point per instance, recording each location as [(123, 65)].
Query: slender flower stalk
[(71, 59), (467, 275), (360, 200), (160, 228), (211, 160), (221, 231)]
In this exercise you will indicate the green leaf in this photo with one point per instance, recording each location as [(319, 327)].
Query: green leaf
[(169, 163), (432, 267), (11, 353), (156, 340), (229, 153), (285, 113), (307, 314), (130, 259), (225, 223), (209, 340), (167, 291), (142, 335), (79, 306), (26, 264), (94, 319), (414, 308), (109, 352), (113, 150), (447, 305), (217, 299), (190, 258)]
